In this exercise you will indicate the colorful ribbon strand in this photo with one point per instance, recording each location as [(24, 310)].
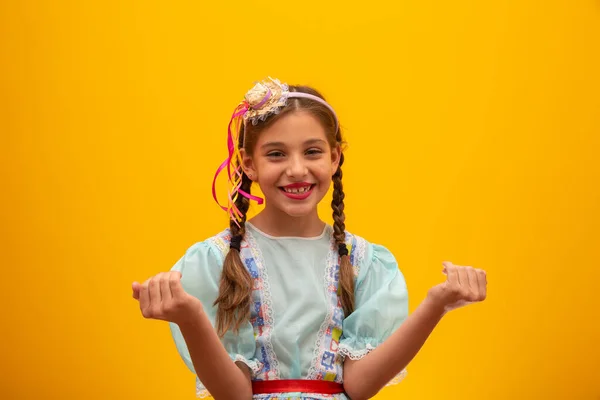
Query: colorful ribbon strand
[(233, 163)]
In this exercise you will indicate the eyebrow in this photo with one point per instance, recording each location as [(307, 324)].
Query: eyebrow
[(281, 144)]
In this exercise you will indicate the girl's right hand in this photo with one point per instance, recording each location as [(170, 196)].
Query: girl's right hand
[(162, 297)]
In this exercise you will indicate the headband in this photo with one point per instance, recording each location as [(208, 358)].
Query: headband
[(264, 99)]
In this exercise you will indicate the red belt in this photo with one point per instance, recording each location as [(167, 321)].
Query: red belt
[(296, 385)]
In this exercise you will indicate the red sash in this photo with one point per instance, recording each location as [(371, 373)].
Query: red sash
[(296, 385)]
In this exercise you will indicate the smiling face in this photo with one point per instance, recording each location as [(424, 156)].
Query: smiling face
[(293, 161)]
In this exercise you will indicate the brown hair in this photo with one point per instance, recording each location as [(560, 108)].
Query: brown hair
[(233, 302)]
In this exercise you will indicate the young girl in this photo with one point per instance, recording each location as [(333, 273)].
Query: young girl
[(285, 306)]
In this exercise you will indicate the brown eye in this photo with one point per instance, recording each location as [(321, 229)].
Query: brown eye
[(312, 152)]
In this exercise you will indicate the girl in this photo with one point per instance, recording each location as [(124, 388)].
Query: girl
[(285, 306)]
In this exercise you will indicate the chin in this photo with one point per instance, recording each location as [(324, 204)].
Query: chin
[(298, 211)]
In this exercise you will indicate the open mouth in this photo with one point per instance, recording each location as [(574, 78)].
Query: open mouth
[(297, 191)]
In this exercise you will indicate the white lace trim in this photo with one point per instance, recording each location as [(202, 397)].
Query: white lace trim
[(332, 260), (219, 242), (254, 365), (201, 391), (272, 108), (352, 354), (267, 303), (398, 378), (359, 255)]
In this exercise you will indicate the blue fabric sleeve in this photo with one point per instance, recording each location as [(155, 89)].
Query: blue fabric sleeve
[(201, 268), (381, 305)]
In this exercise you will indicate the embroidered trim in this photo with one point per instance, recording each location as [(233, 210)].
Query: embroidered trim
[(266, 304), (327, 363), (331, 285), (219, 242), (254, 365), (346, 351), (358, 254), (263, 334)]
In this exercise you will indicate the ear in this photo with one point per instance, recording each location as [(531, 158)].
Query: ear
[(248, 165), (336, 153)]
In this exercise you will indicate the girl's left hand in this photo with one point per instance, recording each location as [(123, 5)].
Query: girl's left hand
[(463, 286)]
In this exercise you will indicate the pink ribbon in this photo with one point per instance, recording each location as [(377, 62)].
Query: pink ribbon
[(234, 177)]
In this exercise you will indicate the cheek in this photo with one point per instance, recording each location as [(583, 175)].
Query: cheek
[(267, 175), (324, 178), (326, 170)]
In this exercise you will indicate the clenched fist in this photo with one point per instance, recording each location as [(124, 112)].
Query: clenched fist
[(463, 285), (162, 297)]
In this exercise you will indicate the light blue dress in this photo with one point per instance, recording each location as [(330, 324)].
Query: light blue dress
[(297, 328)]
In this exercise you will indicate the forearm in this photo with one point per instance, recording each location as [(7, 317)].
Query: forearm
[(365, 377), (221, 376)]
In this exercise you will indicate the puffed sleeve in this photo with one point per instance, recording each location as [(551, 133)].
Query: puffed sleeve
[(201, 268), (381, 305)]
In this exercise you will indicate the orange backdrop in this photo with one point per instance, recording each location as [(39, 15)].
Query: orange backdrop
[(473, 129)]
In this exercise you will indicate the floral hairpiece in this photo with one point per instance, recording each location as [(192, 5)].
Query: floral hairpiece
[(266, 98)]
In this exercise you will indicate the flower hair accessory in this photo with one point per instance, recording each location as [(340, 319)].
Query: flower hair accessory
[(266, 98)]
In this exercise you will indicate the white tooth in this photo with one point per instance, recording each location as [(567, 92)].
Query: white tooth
[(298, 190)]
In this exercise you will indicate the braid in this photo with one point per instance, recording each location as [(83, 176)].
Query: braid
[(235, 289), (346, 281)]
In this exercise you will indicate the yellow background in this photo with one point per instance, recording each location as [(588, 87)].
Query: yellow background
[(473, 130)]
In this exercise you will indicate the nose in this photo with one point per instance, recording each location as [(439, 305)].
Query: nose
[(296, 167)]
